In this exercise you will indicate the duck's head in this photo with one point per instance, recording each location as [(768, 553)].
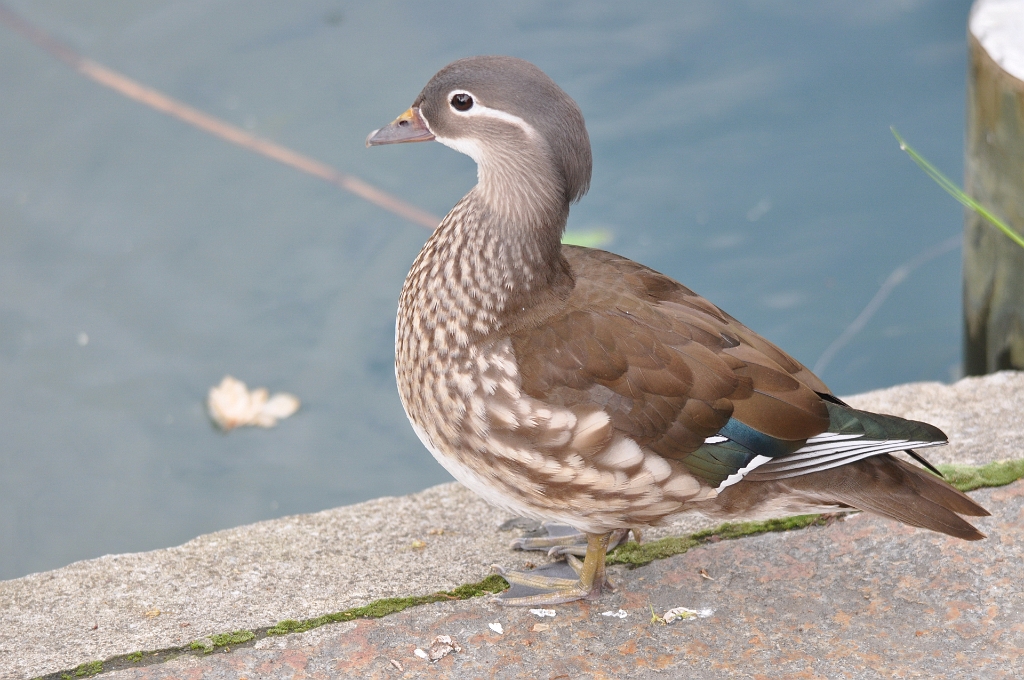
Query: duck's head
[(525, 133)]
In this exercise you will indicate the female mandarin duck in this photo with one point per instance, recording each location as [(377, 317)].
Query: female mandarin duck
[(574, 385)]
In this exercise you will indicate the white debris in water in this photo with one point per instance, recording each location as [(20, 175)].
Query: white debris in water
[(421, 654), (496, 627), (543, 612), (232, 405), (621, 614), (680, 613)]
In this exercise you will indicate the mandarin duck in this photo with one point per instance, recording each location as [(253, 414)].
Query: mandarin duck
[(571, 384)]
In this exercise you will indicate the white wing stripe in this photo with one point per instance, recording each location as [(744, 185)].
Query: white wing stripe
[(815, 451), (831, 437), (742, 472), (881, 447), (821, 452), (834, 460)]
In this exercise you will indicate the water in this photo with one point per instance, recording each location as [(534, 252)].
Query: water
[(742, 148)]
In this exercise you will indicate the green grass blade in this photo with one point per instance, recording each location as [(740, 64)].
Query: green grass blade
[(955, 191)]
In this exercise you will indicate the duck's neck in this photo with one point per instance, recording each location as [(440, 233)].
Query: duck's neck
[(495, 258), (525, 194)]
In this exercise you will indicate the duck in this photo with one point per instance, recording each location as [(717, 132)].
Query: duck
[(573, 385)]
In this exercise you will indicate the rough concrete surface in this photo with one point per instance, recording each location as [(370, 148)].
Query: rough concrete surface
[(862, 598), (304, 566)]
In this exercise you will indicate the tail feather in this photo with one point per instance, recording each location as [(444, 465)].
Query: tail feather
[(893, 488), (939, 491)]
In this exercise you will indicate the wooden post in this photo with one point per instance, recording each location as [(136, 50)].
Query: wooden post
[(994, 176)]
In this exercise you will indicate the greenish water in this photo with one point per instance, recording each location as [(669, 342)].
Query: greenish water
[(742, 147)]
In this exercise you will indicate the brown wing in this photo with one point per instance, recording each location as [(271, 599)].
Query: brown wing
[(669, 367)]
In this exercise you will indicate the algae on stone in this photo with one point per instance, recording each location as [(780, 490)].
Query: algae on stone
[(968, 478), (639, 554), (212, 642), (391, 605), (85, 670)]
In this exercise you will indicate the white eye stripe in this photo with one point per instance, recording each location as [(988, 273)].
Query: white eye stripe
[(482, 111)]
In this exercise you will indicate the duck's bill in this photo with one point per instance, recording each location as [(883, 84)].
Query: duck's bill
[(409, 127)]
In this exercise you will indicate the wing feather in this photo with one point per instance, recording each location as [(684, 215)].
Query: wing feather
[(671, 370), (669, 367)]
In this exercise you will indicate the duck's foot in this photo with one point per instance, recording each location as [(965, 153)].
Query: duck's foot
[(554, 583), (562, 540), (545, 585)]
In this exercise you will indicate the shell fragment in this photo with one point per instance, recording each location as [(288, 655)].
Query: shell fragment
[(621, 614)]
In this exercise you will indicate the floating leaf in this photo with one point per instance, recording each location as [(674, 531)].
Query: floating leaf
[(588, 238)]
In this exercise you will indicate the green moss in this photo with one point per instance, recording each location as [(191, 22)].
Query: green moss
[(204, 645), (235, 638), (208, 644), (639, 554), (967, 478), (85, 670), (489, 586), (134, 657), (391, 605)]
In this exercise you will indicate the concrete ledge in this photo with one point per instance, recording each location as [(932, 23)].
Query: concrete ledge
[(304, 566), (860, 598)]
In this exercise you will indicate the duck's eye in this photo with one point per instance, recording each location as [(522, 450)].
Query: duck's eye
[(462, 102)]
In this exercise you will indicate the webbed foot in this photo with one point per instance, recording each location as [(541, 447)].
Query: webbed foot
[(554, 584)]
